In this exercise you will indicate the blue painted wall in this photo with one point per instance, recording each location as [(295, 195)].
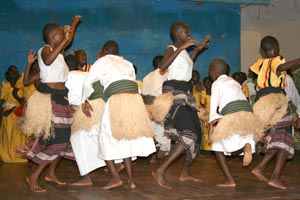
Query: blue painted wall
[(140, 26)]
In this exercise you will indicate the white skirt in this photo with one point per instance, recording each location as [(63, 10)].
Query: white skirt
[(164, 143), (112, 149), (85, 147), (233, 143)]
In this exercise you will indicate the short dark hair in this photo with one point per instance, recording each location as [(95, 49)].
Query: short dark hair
[(72, 62), (156, 61), (176, 26), (266, 44), (47, 29), (112, 47)]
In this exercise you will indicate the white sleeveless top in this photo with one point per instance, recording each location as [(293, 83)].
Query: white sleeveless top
[(56, 72), (182, 66)]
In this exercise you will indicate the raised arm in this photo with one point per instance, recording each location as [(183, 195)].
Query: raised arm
[(170, 54), (31, 58), (287, 65), (199, 48), (75, 22), (69, 31)]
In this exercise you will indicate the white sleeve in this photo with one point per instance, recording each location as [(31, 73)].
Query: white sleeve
[(292, 93), (214, 103), (92, 77)]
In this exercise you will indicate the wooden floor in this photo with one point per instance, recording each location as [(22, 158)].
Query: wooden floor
[(14, 187)]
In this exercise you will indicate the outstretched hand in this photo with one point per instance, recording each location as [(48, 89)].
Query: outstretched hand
[(31, 57), (204, 43), (87, 109)]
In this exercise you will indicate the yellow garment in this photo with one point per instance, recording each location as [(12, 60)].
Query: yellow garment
[(10, 135), (197, 96), (140, 84), (245, 90), (205, 101), (28, 90), (266, 71)]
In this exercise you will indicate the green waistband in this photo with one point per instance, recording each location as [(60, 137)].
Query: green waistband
[(119, 86), (236, 106), (98, 91)]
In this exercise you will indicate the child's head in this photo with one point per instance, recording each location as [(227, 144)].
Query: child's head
[(12, 73), (217, 68), (180, 32), (156, 61), (207, 82), (81, 55), (53, 33), (269, 46), (72, 62), (195, 75), (236, 76), (110, 47)]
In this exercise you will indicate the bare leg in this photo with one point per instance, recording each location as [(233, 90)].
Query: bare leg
[(229, 182), (275, 178), (83, 181), (131, 183), (33, 179), (51, 177), (116, 180), (247, 155), (154, 158), (258, 171), (185, 175), (159, 173)]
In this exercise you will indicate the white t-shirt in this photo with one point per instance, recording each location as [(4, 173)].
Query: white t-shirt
[(182, 66), (107, 69), (56, 72), (152, 83), (223, 91)]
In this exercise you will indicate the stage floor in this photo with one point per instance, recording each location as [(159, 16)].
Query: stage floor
[(14, 187)]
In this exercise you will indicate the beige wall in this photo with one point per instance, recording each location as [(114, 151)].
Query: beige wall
[(288, 36), (249, 49)]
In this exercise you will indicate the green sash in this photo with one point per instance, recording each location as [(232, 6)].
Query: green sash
[(236, 106), (98, 91), (119, 86)]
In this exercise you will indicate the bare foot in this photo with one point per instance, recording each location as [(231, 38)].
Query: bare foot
[(160, 180), (54, 179), (277, 184), (112, 184), (259, 175), (131, 184), (247, 155), (34, 187), (120, 167), (83, 181), (189, 178), (153, 160), (227, 184)]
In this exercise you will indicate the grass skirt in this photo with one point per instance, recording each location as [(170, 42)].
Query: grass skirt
[(242, 123), (270, 109), (35, 122), (161, 107), (84, 123), (128, 117)]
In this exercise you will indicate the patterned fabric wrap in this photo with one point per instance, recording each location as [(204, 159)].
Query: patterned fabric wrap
[(148, 99), (182, 122), (280, 136), (236, 106), (98, 91), (46, 151), (118, 86)]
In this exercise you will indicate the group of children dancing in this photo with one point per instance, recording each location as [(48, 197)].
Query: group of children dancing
[(110, 123)]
